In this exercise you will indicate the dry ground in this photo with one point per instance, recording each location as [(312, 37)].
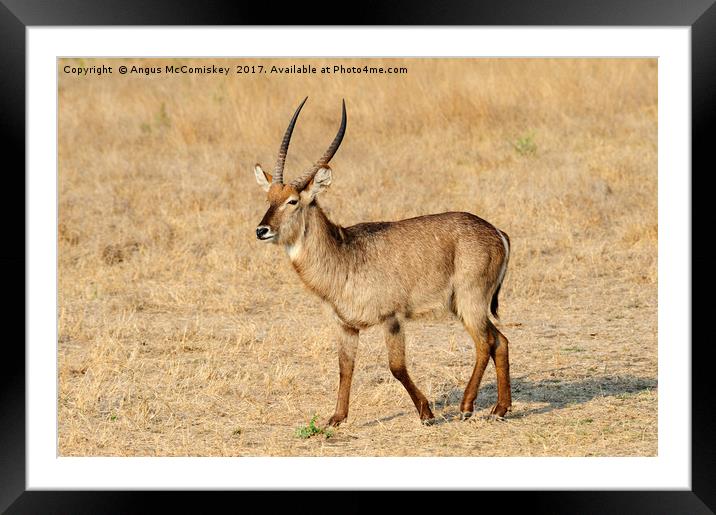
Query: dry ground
[(168, 342)]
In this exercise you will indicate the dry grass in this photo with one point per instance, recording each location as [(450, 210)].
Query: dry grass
[(167, 344)]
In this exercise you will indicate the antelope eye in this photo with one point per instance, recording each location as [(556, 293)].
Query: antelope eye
[(293, 202)]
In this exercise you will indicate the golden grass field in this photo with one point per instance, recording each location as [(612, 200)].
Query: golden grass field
[(178, 335)]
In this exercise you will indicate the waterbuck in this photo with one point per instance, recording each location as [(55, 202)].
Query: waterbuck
[(386, 272)]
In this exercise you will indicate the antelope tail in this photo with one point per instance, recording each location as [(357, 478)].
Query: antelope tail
[(494, 304)]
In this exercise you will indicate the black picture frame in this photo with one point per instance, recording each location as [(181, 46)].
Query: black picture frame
[(17, 15)]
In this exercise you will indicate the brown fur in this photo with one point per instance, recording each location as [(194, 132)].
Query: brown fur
[(381, 272), (370, 271)]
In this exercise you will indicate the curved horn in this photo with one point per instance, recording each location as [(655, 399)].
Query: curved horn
[(301, 182), (333, 148), (281, 161)]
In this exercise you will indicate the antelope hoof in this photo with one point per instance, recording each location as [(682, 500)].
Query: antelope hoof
[(496, 418), (335, 420), (464, 415), (426, 416), (498, 412)]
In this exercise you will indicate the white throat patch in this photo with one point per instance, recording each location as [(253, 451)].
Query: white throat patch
[(294, 251)]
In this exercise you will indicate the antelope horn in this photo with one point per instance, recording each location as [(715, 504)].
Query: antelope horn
[(281, 161), (301, 182)]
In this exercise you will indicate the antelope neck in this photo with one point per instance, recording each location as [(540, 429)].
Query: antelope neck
[(318, 235), (316, 252)]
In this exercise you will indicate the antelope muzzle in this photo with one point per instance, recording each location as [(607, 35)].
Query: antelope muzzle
[(264, 233)]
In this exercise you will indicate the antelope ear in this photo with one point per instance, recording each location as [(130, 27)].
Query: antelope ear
[(320, 182), (264, 179)]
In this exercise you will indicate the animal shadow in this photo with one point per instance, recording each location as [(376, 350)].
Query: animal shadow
[(556, 393)]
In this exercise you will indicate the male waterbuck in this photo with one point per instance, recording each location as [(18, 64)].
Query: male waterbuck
[(385, 272)]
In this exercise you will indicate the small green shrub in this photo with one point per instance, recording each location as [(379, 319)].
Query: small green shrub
[(525, 146), (311, 430)]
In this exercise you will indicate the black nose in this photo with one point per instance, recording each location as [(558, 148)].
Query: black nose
[(260, 231)]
